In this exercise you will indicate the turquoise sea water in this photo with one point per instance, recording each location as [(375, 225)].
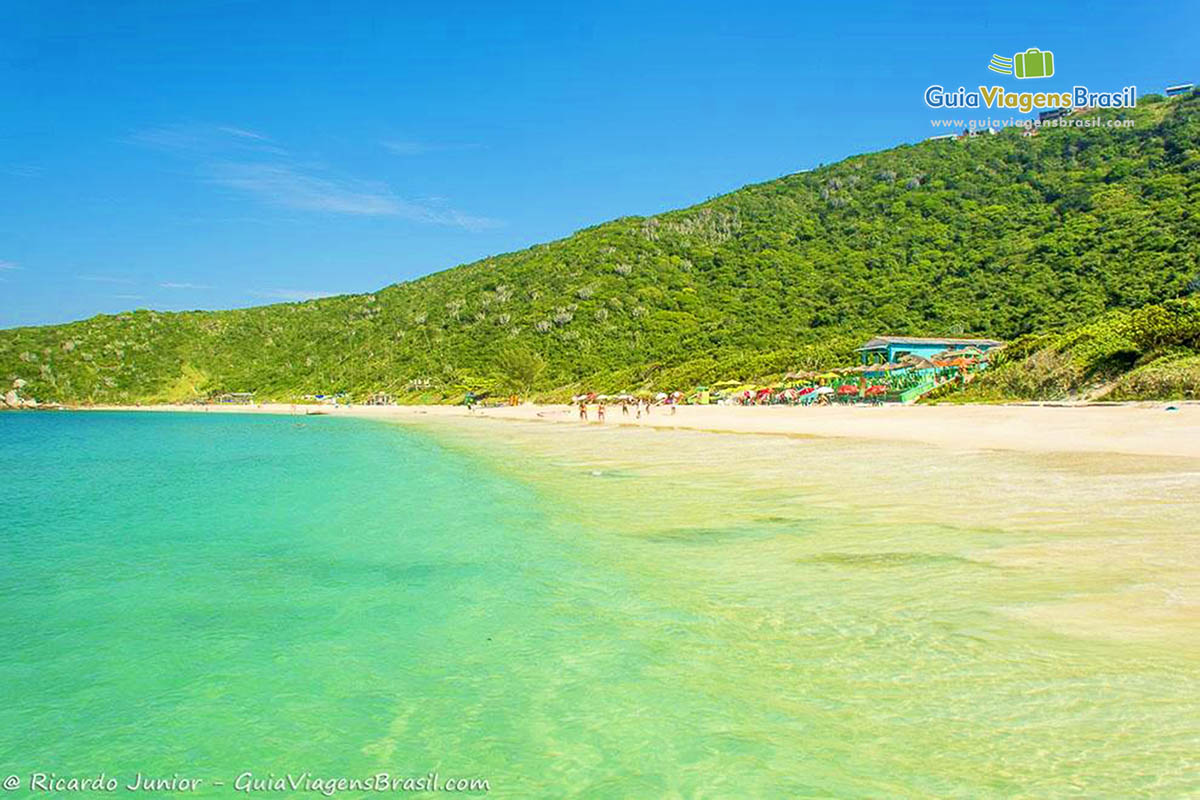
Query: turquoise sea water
[(572, 612)]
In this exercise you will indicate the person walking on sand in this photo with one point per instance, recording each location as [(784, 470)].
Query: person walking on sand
[(600, 412), (624, 408), (583, 410)]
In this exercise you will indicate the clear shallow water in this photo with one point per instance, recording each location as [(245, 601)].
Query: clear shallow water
[(595, 613)]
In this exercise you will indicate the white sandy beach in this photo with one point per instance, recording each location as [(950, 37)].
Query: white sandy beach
[(1148, 429)]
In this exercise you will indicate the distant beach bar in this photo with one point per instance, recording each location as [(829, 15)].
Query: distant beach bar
[(237, 398), (890, 349)]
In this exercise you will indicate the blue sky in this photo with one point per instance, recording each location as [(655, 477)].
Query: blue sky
[(187, 154)]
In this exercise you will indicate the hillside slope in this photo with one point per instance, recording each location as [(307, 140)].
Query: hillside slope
[(998, 235), (1149, 353)]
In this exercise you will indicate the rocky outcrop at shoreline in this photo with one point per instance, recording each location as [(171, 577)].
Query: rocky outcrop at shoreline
[(12, 398)]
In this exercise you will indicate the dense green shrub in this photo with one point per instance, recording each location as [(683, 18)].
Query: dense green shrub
[(1171, 378), (1149, 352)]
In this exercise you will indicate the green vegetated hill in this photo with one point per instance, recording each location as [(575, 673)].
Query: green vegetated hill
[(1152, 352), (999, 235)]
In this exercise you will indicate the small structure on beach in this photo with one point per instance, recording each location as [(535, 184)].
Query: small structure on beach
[(236, 398), (381, 399), (326, 399), (891, 349)]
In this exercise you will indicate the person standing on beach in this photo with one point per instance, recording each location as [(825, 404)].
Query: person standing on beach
[(624, 408), (600, 411), (583, 410)]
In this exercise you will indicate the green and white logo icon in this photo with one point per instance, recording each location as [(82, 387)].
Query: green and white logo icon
[(1033, 63)]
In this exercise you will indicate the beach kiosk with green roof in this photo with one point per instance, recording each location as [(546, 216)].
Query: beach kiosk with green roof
[(890, 349)]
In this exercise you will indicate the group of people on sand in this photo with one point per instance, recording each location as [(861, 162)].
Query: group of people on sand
[(639, 406)]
